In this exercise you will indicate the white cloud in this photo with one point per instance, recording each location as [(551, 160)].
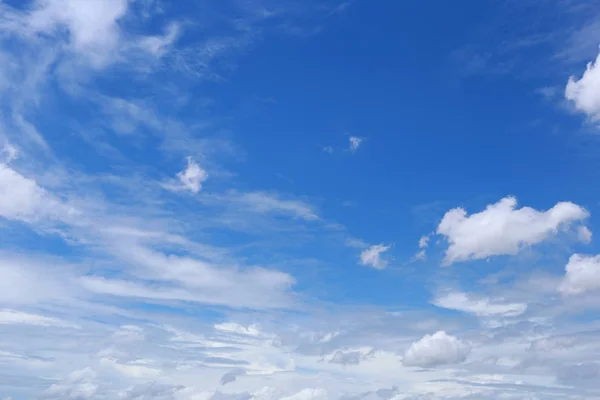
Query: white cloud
[(156, 391), (128, 334), (67, 40), (372, 256), (419, 255), (434, 350), (171, 277), (158, 45), (265, 203), (9, 153), (23, 281), (482, 307), (584, 234), (585, 92), (92, 25), (308, 394), (193, 176), (137, 250), (138, 368), (553, 344), (355, 143), (422, 253), (502, 229), (14, 317), (582, 274), (232, 327), (22, 199), (79, 385), (350, 356)]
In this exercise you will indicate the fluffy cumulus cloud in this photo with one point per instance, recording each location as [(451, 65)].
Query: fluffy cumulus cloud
[(585, 91), (582, 275), (435, 350), (503, 229), (191, 178), (372, 256)]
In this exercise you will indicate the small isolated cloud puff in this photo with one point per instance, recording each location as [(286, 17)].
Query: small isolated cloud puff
[(582, 275), (424, 242), (482, 307), (191, 178), (422, 253), (585, 92), (419, 255), (372, 256), (502, 229), (355, 143), (232, 375), (434, 350)]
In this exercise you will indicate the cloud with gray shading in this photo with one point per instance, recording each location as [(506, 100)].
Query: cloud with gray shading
[(350, 357), (435, 350), (579, 374), (232, 375)]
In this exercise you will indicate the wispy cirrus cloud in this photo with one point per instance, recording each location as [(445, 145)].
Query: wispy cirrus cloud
[(482, 307)]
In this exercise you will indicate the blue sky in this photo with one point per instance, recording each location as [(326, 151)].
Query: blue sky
[(295, 200)]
